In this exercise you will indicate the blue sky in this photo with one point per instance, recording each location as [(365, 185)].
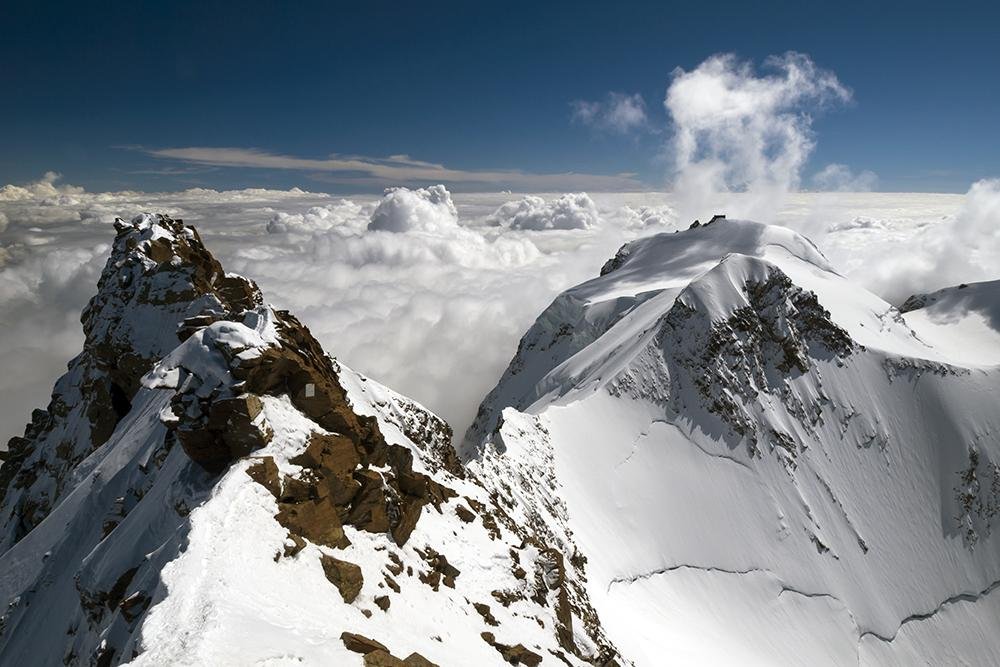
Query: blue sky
[(94, 91)]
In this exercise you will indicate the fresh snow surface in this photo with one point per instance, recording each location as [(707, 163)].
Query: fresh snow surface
[(226, 600), (837, 532)]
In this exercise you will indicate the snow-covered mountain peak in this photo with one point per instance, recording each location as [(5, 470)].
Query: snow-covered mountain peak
[(590, 332), (762, 462), (686, 254)]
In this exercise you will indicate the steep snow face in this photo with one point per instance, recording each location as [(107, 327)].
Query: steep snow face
[(762, 463), (256, 502)]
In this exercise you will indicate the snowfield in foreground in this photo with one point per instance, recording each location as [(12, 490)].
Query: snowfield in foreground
[(718, 451)]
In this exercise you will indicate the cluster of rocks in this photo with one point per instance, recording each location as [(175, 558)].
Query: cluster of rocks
[(377, 655), (718, 217), (338, 488), (756, 349), (977, 496), (350, 475)]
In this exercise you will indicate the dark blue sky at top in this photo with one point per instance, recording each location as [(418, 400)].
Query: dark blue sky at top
[(469, 85)]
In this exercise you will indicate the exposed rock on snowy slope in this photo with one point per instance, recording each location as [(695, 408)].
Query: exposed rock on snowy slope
[(762, 463), (209, 487)]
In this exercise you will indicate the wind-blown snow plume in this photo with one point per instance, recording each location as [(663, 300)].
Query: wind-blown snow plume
[(735, 130)]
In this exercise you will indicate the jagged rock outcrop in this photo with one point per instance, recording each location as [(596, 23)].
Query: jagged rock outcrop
[(159, 273), (772, 334)]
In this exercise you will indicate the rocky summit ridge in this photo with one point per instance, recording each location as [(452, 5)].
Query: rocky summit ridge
[(208, 485)]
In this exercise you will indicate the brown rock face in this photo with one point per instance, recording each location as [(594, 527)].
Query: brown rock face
[(265, 472), (299, 368), (315, 520), (487, 614), (517, 654), (361, 644), (382, 658), (441, 570), (345, 576), (334, 454), (369, 509), (225, 432)]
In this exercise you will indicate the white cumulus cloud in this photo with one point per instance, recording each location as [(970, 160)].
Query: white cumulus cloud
[(46, 187), (344, 213), (404, 210), (570, 211)]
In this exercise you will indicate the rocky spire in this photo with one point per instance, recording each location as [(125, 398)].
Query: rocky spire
[(158, 275)]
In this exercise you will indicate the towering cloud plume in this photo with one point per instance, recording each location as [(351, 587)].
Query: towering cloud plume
[(737, 130)]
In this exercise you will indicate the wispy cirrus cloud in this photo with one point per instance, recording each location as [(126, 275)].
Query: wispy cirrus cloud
[(840, 178), (392, 170), (618, 113)]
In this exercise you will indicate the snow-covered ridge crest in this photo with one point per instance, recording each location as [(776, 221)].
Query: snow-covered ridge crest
[(636, 287), (246, 496), (762, 463)]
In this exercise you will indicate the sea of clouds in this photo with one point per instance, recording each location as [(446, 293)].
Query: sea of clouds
[(429, 291), (422, 291)]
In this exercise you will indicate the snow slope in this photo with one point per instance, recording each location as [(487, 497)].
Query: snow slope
[(964, 320), (763, 463)]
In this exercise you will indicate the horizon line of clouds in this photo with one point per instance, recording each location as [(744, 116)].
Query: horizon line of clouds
[(392, 170)]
